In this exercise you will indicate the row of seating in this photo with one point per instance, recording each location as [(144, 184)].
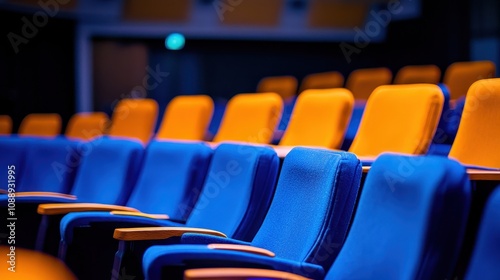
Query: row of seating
[(411, 114), (229, 195), (361, 82)]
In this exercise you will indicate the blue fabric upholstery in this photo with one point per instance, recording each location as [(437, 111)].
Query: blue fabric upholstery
[(50, 164), (409, 223), (170, 182), (13, 152), (485, 261), (235, 197), (305, 226)]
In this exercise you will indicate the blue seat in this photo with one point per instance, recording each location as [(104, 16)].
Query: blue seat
[(13, 153), (106, 174), (485, 260), (409, 224), (305, 226), (42, 166), (170, 183), (234, 199)]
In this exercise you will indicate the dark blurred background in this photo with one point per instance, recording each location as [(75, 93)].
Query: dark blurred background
[(67, 56)]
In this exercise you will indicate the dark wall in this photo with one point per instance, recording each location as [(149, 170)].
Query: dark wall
[(39, 78)]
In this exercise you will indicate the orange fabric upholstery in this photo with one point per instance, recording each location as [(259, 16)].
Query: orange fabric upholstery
[(362, 82), (400, 119), (5, 125), (30, 265), (285, 86), (250, 117), (186, 118), (478, 136), (86, 126), (319, 118), (134, 118), (323, 80), (48, 125), (459, 76), (418, 74)]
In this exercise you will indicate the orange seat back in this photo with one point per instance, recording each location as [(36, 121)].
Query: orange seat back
[(478, 137), (186, 118), (250, 117), (418, 74), (47, 125), (323, 80), (400, 119), (459, 76), (86, 126), (319, 118), (134, 118), (5, 125), (285, 86), (362, 82)]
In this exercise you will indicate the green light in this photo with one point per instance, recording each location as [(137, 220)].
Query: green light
[(175, 41)]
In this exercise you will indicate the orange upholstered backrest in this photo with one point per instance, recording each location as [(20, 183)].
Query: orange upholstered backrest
[(323, 80), (48, 125), (478, 137), (285, 86), (399, 118), (416, 74), (86, 126), (250, 117), (186, 118), (319, 118), (459, 76), (362, 82)]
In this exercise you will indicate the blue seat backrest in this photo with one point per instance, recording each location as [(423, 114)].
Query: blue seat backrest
[(13, 155), (171, 178), (238, 190), (485, 260), (313, 205), (51, 165), (108, 170), (409, 222)]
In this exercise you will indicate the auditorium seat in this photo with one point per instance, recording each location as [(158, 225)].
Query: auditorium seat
[(134, 118), (5, 125), (233, 202), (250, 117), (284, 86), (362, 82), (399, 118), (168, 187), (324, 80), (319, 118), (186, 118), (303, 231), (13, 151), (478, 136), (409, 224), (45, 125), (86, 126), (459, 76), (486, 255), (417, 74)]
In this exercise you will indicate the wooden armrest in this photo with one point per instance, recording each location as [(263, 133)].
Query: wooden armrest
[(242, 248), (46, 194), (238, 274), (158, 233), (140, 214), (64, 208)]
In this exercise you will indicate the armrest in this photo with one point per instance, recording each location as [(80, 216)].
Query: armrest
[(46, 194), (64, 208), (158, 233), (139, 214), (242, 248), (238, 273), (2, 191)]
